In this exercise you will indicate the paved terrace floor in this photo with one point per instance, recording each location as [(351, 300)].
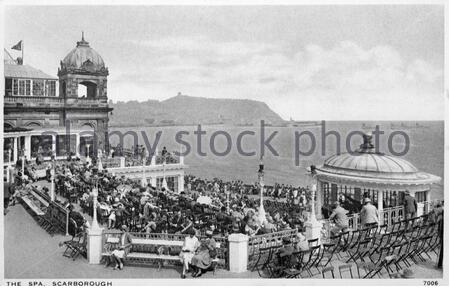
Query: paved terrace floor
[(31, 253)]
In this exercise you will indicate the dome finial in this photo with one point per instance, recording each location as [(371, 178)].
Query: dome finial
[(82, 42), (367, 144)]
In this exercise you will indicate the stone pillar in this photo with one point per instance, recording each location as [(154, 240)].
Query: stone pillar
[(313, 230), (8, 174), (77, 145), (153, 161), (122, 162), (238, 252), (313, 227), (94, 245), (152, 181), (54, 145), (16, 150), (180, 183), (28, 147)]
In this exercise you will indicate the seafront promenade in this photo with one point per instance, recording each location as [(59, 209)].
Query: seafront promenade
[(31, 253)]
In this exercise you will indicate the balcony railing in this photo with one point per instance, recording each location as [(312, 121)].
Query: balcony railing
[(32, 101)]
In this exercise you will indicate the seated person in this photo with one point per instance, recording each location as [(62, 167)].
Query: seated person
[(251, 228), (150, 226), (190, 245), (284, 254), (340, 219), (204, 255), (119, 254)]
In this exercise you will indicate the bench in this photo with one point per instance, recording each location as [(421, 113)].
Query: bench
[(139, 250), (36, 210), (38, 197), (160, 257)]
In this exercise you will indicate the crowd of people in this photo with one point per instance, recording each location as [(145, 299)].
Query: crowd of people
[(122, 201), (234, 207)]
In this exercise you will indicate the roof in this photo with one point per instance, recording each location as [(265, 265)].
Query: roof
[(25, 72), (367, 166), (84, 57)]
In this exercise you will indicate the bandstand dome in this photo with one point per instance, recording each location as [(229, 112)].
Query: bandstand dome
[(368, 166), (83, 56)]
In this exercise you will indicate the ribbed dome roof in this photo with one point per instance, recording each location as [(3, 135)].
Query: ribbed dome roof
[(376, 162), (367, 165), (366, 159), (83, 57)]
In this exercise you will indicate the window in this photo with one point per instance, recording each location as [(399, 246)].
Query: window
[(38, 88), (50, 88), (8, 87), (15, 87), (22, 87), (28, 87)]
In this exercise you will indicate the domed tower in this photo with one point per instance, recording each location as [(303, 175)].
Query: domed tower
[(83, 86)]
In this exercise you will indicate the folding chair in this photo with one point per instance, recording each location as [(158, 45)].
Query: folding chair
[(361, 250), (328, 251), (313, 254), (326, 270), (263, 254), (80, 247), (70, 244), (345, 268)]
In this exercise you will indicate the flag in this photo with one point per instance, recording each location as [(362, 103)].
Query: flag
[(17, 46)]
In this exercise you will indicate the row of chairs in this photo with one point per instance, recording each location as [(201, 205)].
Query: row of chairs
[(298, 264), (371, 249)]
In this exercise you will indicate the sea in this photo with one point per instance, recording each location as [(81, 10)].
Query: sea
[(221, 150)]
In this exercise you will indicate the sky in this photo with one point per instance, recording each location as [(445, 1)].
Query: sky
[(306, 62)]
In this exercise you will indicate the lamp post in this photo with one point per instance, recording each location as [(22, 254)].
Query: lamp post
[(88, 159), (8, 169), (261, 210), (100, 165), (227, 192), (313, 218), (67, 219), (164, 182), (23, 164), (95, 225), (144, 179), (52, 184), (313, 227)]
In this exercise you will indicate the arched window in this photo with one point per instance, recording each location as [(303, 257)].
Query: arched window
[(7, 126), (33, 124), (88, 90)]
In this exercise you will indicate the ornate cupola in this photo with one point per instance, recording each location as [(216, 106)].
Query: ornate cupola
[(83, 66)]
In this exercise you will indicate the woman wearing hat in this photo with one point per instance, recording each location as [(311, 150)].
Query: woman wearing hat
[(204, 255), (190, 245), (119, 254)]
